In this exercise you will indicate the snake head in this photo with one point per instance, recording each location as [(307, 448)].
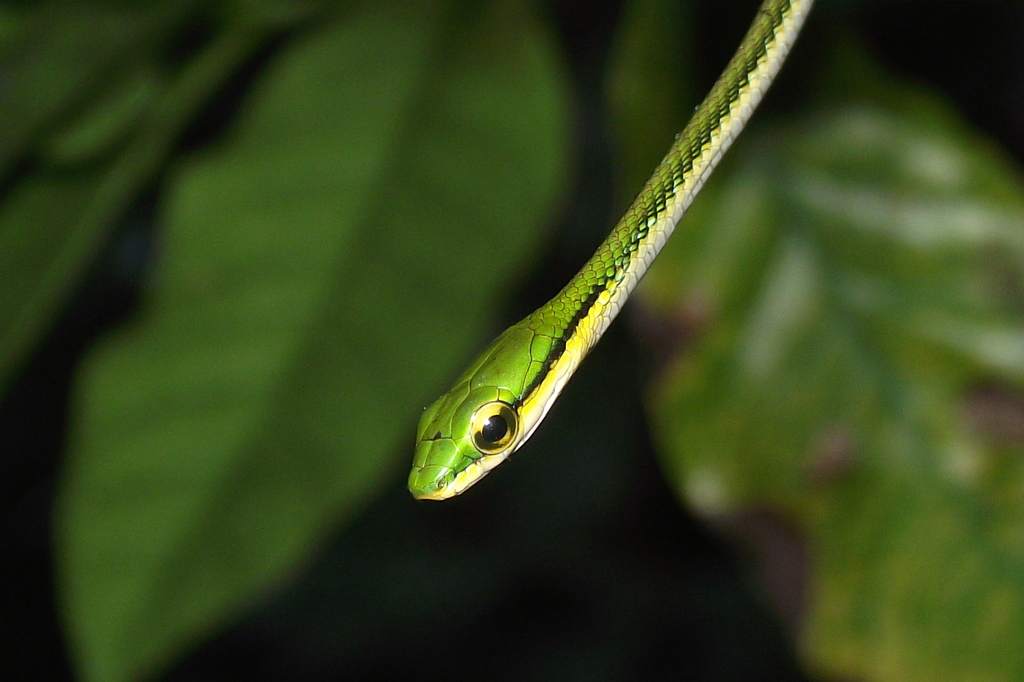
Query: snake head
[(461, 437), (476, 425)]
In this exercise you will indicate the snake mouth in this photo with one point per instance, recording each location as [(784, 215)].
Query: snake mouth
[(438, 494), (437, 483)]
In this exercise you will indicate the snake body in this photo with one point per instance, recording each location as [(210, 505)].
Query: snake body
[(498, 402)]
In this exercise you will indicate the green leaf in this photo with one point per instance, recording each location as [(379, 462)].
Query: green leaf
[(649, 100), (54, 56), (81, 177), (326, 270), (857, 283)]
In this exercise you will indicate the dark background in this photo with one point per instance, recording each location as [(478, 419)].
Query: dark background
[(581, 565)]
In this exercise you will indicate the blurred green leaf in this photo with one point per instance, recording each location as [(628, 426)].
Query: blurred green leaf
[(326, 269), (106, 122), (858, 282), (81, 170), (55, 56), (648, 93)]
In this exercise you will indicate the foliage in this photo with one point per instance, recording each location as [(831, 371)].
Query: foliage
[(272, 377), (852, 284), (346, 198)]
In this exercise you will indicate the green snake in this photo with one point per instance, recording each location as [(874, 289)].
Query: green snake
[(498, 402)]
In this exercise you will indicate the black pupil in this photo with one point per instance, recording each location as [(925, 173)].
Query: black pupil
[(494, 429)]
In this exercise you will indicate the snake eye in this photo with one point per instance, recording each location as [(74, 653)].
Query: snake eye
[(494, 426)]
